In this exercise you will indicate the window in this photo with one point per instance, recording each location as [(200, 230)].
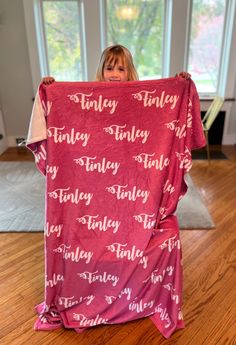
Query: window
[(139, 26), (206, 43), (62, 38)]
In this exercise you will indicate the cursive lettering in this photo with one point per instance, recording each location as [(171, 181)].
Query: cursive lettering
[(68, 302), (131, 254), (74, 197), (174, 296), (185, 159), (149, 163), (53, 170), (102, 225), (55, 279), (51, 229), (170, 244), (101, 166), (70, 138), (163, 314), (41, 154), (149, 99), (125, 291), (157, 277), (140, 306), (74, 255), (95, 104), (168, 187), (85, 322), (131, 195), (104, 277), (146, 219), (129, 135)]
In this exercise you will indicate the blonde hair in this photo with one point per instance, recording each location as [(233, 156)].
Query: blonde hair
[(112, 55)]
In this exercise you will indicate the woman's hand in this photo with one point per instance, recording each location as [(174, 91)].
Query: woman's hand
[(48, 80), (184, 75)]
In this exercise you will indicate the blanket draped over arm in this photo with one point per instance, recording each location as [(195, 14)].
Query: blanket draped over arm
[(114, 156)]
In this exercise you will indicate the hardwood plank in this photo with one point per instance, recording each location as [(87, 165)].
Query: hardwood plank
[(17, 154)]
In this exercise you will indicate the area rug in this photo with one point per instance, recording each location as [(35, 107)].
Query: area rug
[(22, 201)]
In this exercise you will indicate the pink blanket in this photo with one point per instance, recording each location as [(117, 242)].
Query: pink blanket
[(114, 156)]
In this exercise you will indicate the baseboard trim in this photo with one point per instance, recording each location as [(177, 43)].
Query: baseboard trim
[(229, 139)]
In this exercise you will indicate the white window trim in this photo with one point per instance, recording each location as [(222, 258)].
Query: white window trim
[(34, 56), (168, 12), (92, 41), (226, 47), (178, 36), (103, 21), (41, 38)]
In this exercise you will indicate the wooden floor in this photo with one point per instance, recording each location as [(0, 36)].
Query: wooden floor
[(209, 259)]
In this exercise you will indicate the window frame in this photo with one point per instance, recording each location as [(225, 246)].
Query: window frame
[(175, 47), (224, 51), (41, 37), (166, 33)]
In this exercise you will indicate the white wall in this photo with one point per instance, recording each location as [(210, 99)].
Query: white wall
[(16, 91), (18, 82)]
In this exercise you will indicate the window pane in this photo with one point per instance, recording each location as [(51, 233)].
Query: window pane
[(61, 23), (206, 42), (138, 25)]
